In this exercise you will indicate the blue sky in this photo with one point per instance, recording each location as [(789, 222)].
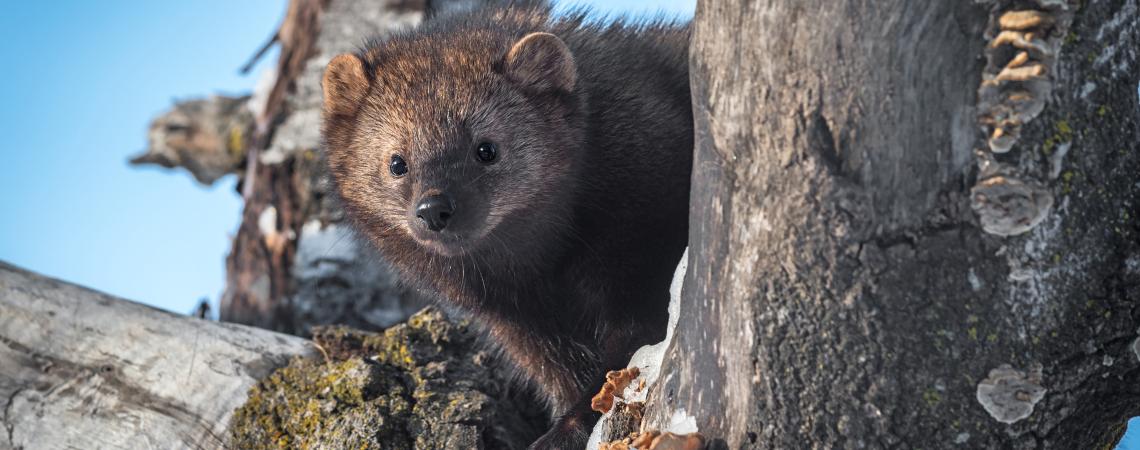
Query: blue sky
[(1131, 440), (81, 81)]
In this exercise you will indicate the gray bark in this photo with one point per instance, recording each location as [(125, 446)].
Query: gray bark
[(82, 369), (867, 271)]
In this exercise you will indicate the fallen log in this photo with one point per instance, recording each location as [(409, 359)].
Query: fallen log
[(83, 369)]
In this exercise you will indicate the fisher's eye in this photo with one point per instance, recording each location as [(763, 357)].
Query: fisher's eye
[(398, 167), (486, 152)]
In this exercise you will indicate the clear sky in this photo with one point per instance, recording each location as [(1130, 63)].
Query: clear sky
[(81, 80)]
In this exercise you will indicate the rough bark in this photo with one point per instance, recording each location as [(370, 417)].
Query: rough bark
[(841, 291), (81, 369)]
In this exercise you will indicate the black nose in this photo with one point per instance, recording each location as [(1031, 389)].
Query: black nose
[(435, 210)]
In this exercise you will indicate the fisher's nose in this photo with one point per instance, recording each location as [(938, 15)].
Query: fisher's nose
[(435, 211)]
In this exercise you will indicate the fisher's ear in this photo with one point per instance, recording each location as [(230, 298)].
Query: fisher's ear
[(345, 85), (541, 61)]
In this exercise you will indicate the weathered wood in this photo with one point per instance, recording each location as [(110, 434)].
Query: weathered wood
[(843, 293), (82, 369)]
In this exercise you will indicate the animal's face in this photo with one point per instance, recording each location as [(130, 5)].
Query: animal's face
[(455, 147)]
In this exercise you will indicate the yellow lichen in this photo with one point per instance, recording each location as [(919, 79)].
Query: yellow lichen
[(932, 397), (1063, 133), (375, 390), (236, 144), (1067, 181), (1064, 128)]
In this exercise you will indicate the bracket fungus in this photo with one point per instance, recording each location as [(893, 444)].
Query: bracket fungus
[(1007, 206), (1021, 56), (1009, 395)]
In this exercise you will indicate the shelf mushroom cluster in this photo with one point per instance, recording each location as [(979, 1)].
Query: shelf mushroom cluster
[(1021, 54)]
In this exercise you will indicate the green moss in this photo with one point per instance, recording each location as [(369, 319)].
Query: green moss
[(422, 384), (310, 404)]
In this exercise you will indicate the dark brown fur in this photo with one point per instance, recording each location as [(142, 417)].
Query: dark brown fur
[(564, 247)]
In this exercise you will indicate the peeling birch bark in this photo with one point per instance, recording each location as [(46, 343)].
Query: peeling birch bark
[(82, 369)]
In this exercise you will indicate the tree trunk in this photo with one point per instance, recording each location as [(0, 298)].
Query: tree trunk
[(294, 264), (81, 369), (867, 268)]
